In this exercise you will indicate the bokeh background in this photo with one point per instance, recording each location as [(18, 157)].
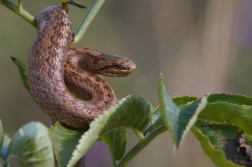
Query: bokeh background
[(201, 47)]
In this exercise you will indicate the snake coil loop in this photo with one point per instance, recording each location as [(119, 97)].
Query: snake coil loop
[(59, 76)]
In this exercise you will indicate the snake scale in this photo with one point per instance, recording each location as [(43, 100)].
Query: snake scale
[(61, 78)]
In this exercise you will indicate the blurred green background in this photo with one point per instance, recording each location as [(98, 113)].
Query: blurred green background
[(201, 47)]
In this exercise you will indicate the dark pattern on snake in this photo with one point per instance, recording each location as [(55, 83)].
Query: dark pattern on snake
[(55, 70)]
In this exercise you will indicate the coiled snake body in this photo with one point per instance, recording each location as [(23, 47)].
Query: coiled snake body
[(55, 70)]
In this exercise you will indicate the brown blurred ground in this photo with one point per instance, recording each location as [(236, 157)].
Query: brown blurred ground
[(201, 47)]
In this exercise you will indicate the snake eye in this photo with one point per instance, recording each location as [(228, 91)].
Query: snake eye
[(116, 65)]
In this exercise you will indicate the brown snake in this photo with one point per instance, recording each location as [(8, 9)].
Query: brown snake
[(55, 70)]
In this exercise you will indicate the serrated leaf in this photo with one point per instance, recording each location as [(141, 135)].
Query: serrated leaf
[(229, 114), (116, 141), (156, 121), (32, 146), (64, 140), (223, 144), (178, 121), (131, 112), (1, 134), (182, 101), (230, 98), (4, 147), (229, 109), (22, 67), (226, 114), (157, 117)]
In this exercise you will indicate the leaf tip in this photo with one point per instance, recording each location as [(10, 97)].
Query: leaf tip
[(203, 103), (13, 59), (174, 150), (71, 2), (161, 77), (161, 81)]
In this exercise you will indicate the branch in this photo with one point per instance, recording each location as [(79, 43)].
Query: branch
[(140, 146), (20, 11), (87, 20)]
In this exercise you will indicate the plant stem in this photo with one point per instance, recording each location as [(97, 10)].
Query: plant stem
[(112, 158), (140, 146), (139, 135), (20, 6), (87, 20), (20, 11)]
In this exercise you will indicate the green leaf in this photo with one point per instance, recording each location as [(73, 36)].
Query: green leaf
[(229, 114), (1, 134), (131, 112), (64, 140), (116, 141), (184, 100), (178, 121), (224, 144), (4, 147), (219, 129), (156, 121), (64, 1), (22, 67), (32, 146), (230, 98), (4, 142), (157, 117)]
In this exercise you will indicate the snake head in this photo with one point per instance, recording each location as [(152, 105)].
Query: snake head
[(97, 62), (116, 66)]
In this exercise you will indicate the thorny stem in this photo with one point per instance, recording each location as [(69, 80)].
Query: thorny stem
[(20, 11), (140, 146)]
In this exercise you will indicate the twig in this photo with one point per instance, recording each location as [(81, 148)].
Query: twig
[(87, 20), (140, 146), (20, 11)]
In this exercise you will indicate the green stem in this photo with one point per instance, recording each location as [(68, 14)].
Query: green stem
[(112, 159), (139, 135), (20, 6), (2, 162), (20, 11), (87, 20), (140, 146), (110, 151)]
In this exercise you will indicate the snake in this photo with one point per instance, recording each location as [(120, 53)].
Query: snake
[(63, 79)]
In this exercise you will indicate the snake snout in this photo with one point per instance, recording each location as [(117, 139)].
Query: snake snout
[(119, 68), (133, 67)]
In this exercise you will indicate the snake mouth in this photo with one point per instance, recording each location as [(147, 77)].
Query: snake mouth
[(116, 73), (116, 70)]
